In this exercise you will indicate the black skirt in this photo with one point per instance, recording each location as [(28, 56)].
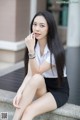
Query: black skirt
[(61, 94)]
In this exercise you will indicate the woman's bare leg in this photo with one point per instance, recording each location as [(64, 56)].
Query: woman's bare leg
[(36, 83), (42, 105)]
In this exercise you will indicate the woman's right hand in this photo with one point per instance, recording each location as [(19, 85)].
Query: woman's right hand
[(16, 100), (30, 42)]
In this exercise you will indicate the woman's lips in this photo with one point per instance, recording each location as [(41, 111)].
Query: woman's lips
[(37, 34)]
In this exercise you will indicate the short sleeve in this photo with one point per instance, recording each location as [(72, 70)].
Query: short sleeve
[(48, 59)]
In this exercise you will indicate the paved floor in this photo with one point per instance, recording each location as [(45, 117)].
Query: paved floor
[(13, 80), (11, 76)]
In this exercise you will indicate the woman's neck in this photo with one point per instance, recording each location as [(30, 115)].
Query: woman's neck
[(42, 44)]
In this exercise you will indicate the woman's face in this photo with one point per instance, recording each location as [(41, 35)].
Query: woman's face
[(40, 28)]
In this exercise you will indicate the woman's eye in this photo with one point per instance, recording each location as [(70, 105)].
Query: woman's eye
[(34, 24), (42, 26)]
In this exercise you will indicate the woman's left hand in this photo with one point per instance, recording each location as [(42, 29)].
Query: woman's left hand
[(30, 41), (17, 100)]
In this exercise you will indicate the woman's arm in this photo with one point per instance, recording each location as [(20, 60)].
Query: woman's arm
[(39, 69)]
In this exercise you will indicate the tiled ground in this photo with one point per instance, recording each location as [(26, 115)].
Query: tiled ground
[(12, 81), (6, 68)]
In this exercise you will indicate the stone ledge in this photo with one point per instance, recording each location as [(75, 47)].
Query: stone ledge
[(68, 110), (6, 96)]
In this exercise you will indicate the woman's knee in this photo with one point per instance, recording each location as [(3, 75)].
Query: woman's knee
[(36, 80), (37, 76)]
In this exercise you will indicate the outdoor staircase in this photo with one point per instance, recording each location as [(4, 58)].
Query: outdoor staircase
[(67, 112)]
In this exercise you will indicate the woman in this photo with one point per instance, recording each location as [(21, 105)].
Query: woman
[(45, 71)]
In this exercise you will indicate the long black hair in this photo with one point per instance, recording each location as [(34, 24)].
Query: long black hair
[(54, 44)]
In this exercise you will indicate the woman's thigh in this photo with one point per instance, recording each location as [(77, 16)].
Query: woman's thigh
[(42, 105)]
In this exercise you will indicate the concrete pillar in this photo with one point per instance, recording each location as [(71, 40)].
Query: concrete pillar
[(14, 27), (15, 17), (73, 51), (33, 8)]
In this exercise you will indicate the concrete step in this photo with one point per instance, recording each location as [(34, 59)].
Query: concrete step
[(67, 112), (6, 106), (8, 117)]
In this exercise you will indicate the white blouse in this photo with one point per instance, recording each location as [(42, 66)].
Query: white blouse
[(46, 57)]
